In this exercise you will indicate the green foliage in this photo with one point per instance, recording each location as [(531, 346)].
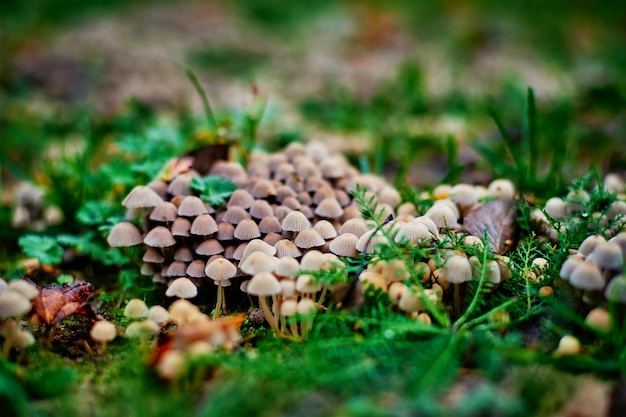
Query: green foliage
[(213, 189), (44, 248)]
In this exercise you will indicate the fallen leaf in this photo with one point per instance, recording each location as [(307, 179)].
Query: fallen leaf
[(498, 218)]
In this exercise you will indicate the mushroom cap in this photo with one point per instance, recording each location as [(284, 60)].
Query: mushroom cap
[(329, 208), (569, 265), (309, 238), (589, 244), (165, 211), (180, 184), (295, 221), (344, 245), (142, 329), (159, 237), (355, 226), (326, 230), (124, 234), (261, 209), (272, 238), (442, 215), (370, 242), (176, 269), (140, 197), (616, 289), (158, 314), (289, 307), (181, 227), (322, 192), (136, 309), (103, 331), (607, 255), (556, 208), (428, 222), (286, 248), (183, 311), (235, 215), (192, 206), (412, 232), (305, 284), (247, 230), (24, 287), (313, 260), (270, 224), (258, 262), (501, 189), (220, 270), (264, 284), (291, 202), (457, 269), (225, 231), (196, 269), (389, 195), (209, 247), (203, 225), (587, 276), (258, 245), (287, 267), (13, 304), (183, 254), (182, 288), (263, 189), (241, 198), (306, 306), (464, 195)]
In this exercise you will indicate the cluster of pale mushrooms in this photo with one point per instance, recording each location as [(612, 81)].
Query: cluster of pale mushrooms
[(293, 214), (15, 303)]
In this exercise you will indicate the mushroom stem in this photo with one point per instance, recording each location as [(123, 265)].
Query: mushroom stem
[(456, 301), (293, 326), (322, 295), (8, 339), (218, 303), (268, 314)]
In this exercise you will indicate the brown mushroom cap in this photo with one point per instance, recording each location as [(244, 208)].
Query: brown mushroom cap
[(325, 229), (192, 206), (176, 269), (225, 231), (181, 227), (141, 197), (196, 269), (261, 209), (159, 237), (589, 244), (369, 241), (313, 260), (270, 224), (165, 211), (247, 230), (241, 198), (203, 225), (355, 226), (235, 215), (153, 255), (183, 254), (287, 267), (124, 234), (263, 189), (180, 184), (209, 247)]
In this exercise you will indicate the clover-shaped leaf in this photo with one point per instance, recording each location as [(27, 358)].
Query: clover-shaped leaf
[(44, 248), (213, 189)]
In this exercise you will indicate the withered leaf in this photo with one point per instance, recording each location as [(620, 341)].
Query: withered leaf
[(57, 302), (498, 217)]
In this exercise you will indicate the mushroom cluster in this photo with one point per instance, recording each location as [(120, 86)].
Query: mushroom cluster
[(15, 302), (597, 268), (560, 214), (31, 211), (287, 205)]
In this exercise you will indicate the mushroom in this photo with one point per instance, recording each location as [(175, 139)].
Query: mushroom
[(182, 288), (136, 309), (124, 234), (457, 270), (265, 284), (141, 197), (103, 332), (220, 270), (158, 314)]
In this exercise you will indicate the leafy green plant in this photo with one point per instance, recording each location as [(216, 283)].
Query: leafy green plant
[(44, 248), (213, 189)]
